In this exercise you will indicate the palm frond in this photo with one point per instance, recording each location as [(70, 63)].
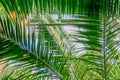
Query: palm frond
[(100, 43), (98, 28), (39, 42)]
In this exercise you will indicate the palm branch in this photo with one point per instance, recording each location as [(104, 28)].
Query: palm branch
[(98, 26)]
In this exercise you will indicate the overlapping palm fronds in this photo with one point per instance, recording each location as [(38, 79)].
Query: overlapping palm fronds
[(100, 43), (47, 51), (42, 47)]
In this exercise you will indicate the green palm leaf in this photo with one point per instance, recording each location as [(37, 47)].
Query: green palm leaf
[(40, 43), (98, 28)]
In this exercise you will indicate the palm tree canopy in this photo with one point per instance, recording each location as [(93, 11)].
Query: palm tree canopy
[(31, 40)]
